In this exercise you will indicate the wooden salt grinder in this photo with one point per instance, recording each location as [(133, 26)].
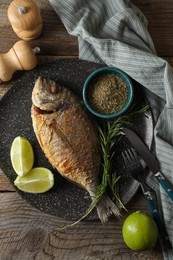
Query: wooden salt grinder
[(20, 57)]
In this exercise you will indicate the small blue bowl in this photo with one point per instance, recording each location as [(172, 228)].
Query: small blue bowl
[(103, 71)]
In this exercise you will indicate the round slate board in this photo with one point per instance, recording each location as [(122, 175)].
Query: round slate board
[(65, 199)]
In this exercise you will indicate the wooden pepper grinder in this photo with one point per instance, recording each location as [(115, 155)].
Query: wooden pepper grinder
[(25, 19), (20, 57)]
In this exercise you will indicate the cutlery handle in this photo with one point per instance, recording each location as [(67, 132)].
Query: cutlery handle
[(160, 224), (165, 184)]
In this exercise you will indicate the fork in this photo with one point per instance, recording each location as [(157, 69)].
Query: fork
[(133, 164)]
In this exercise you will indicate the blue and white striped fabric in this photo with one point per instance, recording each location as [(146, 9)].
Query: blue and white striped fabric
[(115, 33)]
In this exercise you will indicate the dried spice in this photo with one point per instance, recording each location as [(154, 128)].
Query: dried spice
[(107, 94)]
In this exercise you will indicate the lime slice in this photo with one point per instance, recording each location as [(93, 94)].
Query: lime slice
[(22, 156), (38, 180)]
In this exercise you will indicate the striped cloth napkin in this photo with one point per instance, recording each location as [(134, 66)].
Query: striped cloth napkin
[(115, 33)]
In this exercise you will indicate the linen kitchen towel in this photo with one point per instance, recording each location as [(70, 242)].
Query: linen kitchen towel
[(115, 33)]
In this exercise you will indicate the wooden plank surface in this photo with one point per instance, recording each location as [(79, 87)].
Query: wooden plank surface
[(27, 234), (24, 230)]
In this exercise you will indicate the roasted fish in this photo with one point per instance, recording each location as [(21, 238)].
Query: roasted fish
[(69, 138)]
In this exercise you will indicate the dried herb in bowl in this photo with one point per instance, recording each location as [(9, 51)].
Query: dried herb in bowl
[(107, 94)]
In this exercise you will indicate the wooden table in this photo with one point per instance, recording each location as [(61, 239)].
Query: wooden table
[(24, 230)]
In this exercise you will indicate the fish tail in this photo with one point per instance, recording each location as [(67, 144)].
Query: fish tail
[(105, 208)]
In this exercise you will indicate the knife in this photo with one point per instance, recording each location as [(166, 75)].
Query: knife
[(150, 160)]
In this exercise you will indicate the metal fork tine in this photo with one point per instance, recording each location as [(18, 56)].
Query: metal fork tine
[(133, 154), (124, 154), (132, 163), (130, 157)]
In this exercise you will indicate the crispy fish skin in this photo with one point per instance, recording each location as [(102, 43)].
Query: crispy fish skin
[(68, 138)]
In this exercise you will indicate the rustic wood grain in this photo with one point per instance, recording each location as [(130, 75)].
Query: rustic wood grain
[(5, 184), (27, 234)]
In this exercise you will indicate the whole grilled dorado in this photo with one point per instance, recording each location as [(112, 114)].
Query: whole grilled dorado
[(69, 138)]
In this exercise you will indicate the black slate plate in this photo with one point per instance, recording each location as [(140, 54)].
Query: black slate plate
[(65, 199)]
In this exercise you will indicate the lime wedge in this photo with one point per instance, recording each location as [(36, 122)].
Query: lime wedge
[(38, 180), (22, 156)]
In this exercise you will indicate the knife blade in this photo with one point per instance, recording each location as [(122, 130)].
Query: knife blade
[(150, 160)]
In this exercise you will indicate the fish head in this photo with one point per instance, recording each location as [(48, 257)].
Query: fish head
[(47, 95)]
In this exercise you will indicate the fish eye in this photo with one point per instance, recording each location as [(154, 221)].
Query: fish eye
[(54, 87)]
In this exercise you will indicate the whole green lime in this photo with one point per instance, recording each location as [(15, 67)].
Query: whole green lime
[(139, 231)]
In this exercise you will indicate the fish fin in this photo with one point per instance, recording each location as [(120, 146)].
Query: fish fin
[(105, 208)]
